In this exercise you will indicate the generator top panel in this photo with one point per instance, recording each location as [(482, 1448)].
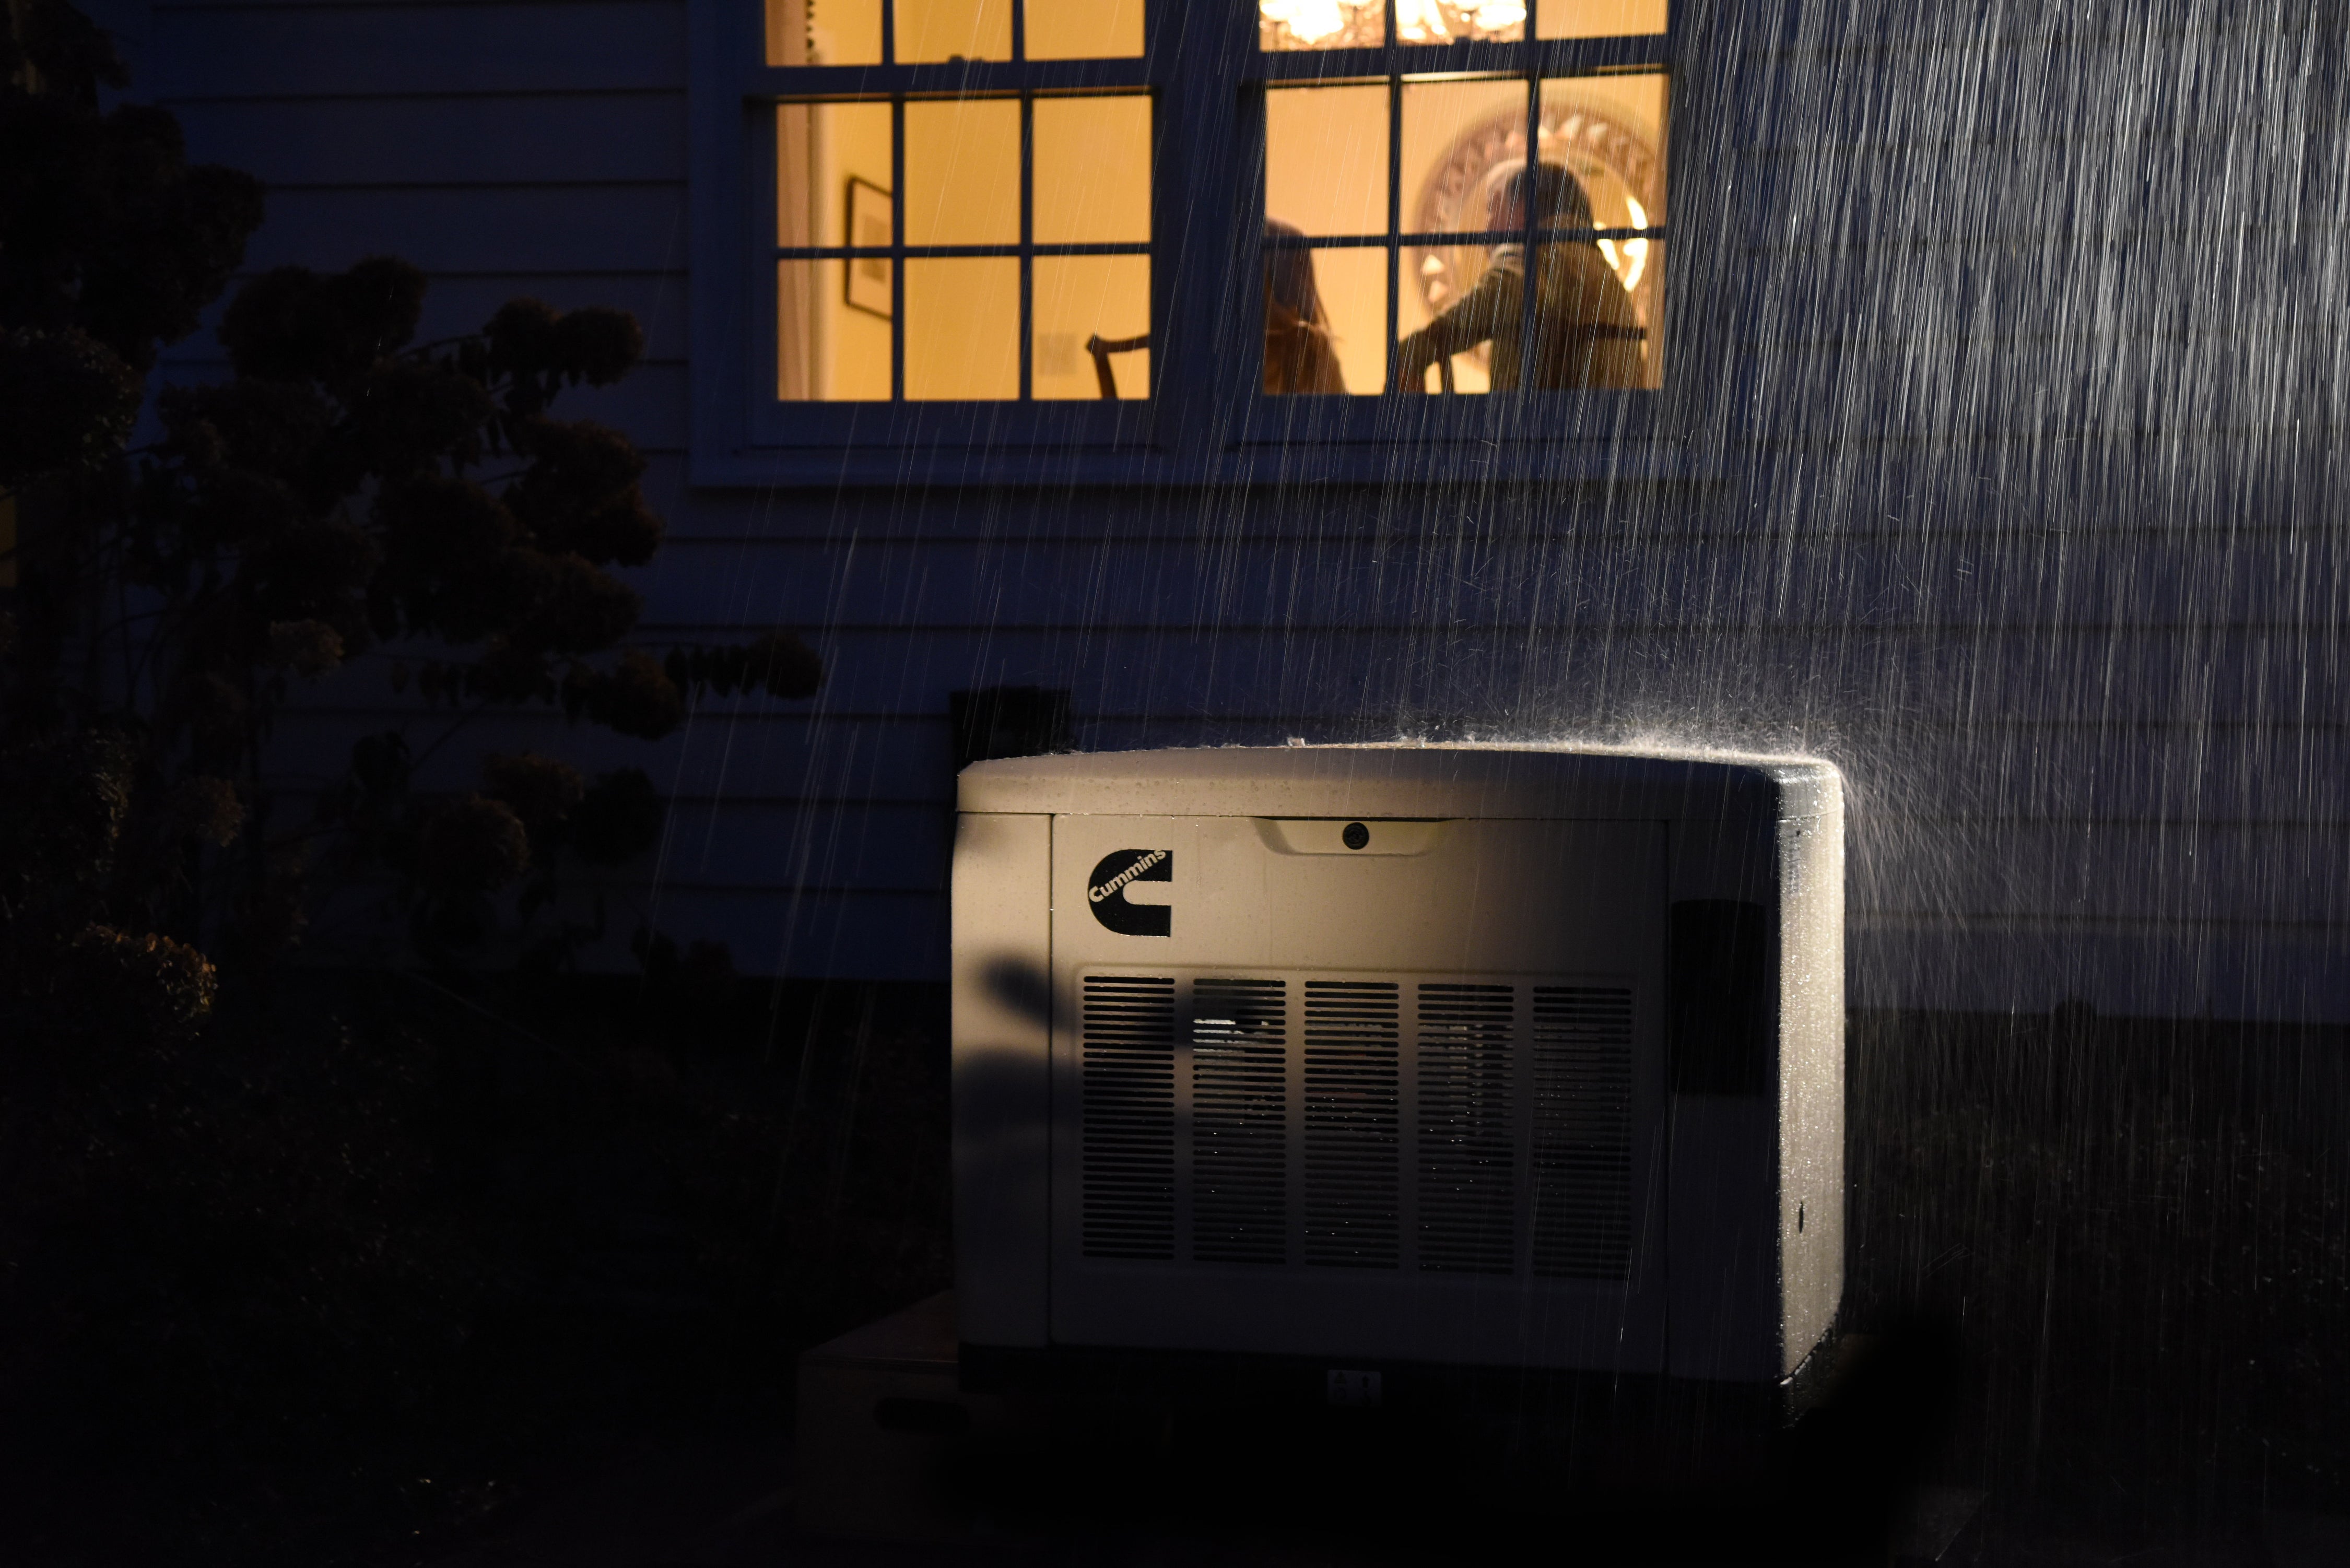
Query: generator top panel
[(1401, 780)]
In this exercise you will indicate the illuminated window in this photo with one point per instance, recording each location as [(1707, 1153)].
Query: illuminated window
[(1400, 212), (1083, 240), (980, 231)]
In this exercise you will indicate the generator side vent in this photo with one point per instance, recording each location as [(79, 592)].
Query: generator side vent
[(1240, 1127), (1127, 1045), (1467, 1130), (1353, 1123), (1582, 1155)]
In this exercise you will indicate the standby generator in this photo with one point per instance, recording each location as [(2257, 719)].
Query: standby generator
[(1376, 1057)]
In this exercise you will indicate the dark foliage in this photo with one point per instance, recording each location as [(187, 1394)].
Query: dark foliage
[(369, 1266), (235, 1231), (67, 404), (346, 490), (110, 232)]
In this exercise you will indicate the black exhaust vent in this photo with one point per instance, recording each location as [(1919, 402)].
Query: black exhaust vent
[(1353, 1123), (1582, 1155), (1239, 1121), (1467, 1143), (1128, 1141)]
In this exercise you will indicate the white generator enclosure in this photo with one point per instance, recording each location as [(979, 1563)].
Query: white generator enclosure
[(1476, 1056)]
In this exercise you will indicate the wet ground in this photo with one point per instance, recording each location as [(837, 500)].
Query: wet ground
[(688, 1504)]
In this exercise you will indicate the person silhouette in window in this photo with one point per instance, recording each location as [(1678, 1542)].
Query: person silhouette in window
[(1297, 353), (1585, 334)]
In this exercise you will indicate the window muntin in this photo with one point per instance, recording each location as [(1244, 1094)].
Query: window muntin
[(1448, 142), (945, 244)]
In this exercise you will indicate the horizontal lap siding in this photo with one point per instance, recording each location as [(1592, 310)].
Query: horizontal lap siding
[(442, 139), (1907, 773), (1586, 582), (531, 150), (2034, 298), (2008, 523), (507, 150), (311, 51), (459, 303)]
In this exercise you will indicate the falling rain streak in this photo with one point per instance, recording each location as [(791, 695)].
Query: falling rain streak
[(1997, 458)]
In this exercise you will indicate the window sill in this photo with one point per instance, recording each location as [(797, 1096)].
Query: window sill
[(1580, 455)]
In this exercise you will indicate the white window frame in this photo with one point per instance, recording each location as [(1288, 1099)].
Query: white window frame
[(1207, 418)]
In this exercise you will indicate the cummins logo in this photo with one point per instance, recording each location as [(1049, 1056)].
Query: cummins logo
[(1106, 891)]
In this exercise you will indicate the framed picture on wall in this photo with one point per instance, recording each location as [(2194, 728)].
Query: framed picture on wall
[(870, 225)]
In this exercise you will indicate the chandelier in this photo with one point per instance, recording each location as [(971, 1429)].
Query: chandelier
[(1362, 23)]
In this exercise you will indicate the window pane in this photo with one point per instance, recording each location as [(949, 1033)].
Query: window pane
[(1093, 170), (1085, 29), (1599, 18), (1417, 305), (952, 29), (827, 351), (963, 172), (1326, 159), (821, 151), (823, 32), (1321, 24), (1458, 137), (962, 330), (1325, 320), (1610, 133), (1077, 298), (1452, 21)]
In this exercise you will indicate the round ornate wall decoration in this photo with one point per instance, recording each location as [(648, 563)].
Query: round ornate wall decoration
[(1619, 170)]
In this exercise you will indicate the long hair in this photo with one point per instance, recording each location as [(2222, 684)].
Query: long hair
[(1289, 274), (1297, 353)]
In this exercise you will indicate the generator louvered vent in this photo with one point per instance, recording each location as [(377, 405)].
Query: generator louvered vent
[(1285, 1121), (1129, 1045), (1353, 1105), (1467, 1144), (1583, 1132), (1240, 1132)]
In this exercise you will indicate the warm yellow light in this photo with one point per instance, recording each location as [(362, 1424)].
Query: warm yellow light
[(1311, 20), (1331, 24), (1635, 251), (1421, 22)]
